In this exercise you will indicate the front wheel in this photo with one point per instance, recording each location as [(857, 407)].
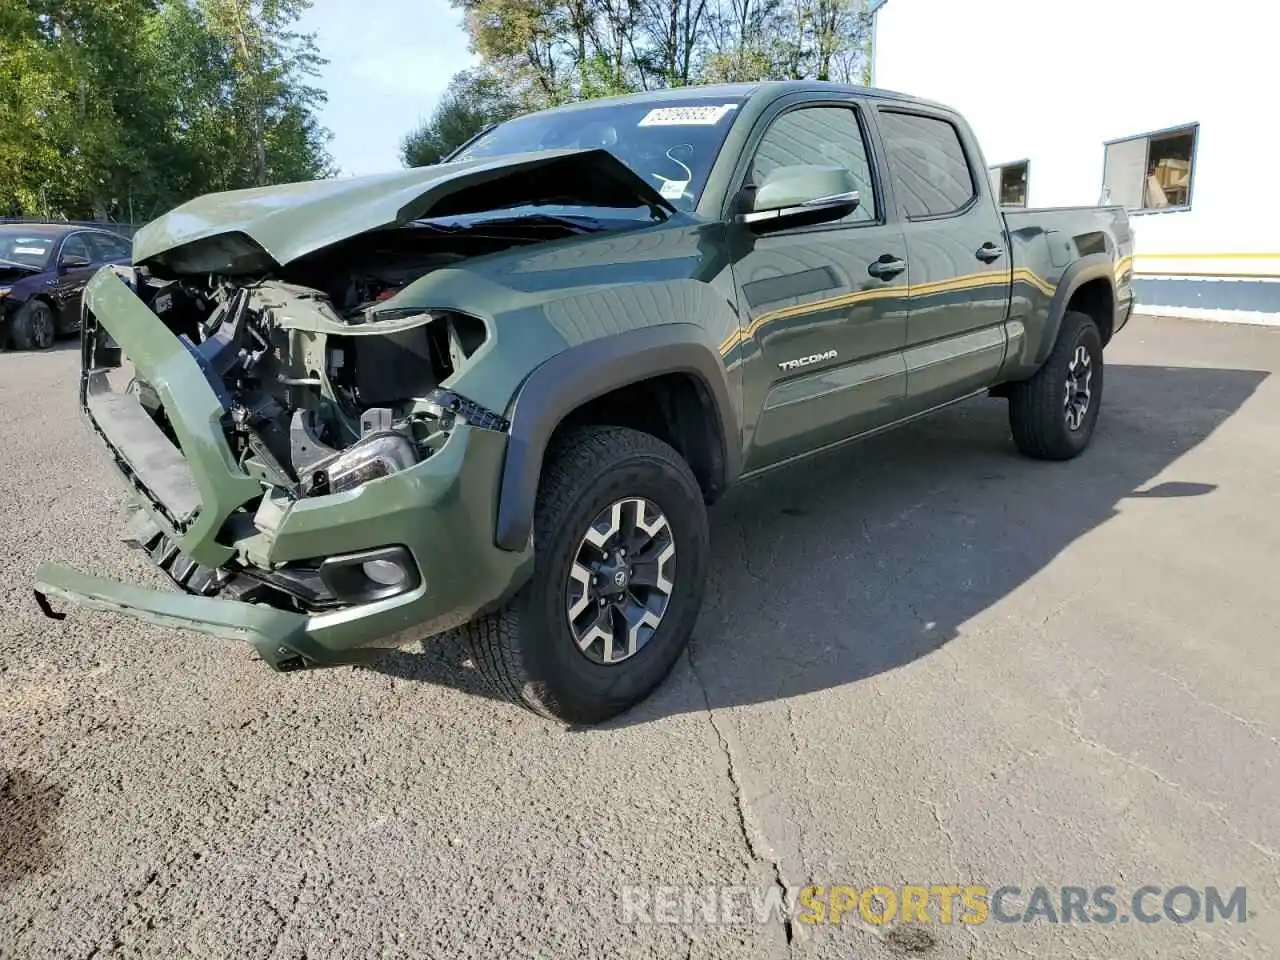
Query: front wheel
[(34, 327), (1053, 414), (621, 550)]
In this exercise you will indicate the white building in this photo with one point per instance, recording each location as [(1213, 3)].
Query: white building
[(1171, 107)]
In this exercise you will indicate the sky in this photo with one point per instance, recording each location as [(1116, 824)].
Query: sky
[(389, 61)]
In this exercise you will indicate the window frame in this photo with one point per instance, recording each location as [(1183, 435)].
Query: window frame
[(1001, 167), (966, 150), (99, 240), (1182, 128), (885, 212), (84, 237)]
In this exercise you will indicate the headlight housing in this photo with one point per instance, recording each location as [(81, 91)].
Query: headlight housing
[(376, 455)]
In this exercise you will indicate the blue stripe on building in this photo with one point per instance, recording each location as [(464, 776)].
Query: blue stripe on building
[(1257, 295)]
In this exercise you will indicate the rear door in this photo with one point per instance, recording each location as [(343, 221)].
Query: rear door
[(111, 248), (956, 245), (821, 337)]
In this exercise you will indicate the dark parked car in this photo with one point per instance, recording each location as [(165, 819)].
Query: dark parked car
[(43, 271)]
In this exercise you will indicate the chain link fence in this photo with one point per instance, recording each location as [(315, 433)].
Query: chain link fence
[(124, 229)]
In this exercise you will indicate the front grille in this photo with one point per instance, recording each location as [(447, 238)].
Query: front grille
[(143, 451)]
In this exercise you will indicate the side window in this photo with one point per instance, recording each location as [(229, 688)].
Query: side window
[(826, 136), (77, 245), (930, 173), (111, 248)]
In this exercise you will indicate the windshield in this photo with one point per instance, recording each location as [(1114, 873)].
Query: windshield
[(671, 145), (19, 246)]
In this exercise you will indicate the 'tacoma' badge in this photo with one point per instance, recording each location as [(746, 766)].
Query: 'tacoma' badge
[(806, 361)]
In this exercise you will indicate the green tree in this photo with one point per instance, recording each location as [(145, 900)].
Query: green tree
[(473, 100), (267, 92), (548, 52), (123, 108)]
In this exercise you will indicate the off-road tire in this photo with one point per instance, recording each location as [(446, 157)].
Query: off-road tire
[(34, 326), (526, 650), (1037, 412)]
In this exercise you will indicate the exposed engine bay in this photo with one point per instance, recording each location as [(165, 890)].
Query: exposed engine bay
[(327, 384)]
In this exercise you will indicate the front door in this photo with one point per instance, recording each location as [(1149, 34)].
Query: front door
[(71, 279), (960, 269), (823, 307)]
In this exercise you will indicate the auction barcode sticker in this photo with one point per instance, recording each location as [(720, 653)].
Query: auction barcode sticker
[(686, 116)]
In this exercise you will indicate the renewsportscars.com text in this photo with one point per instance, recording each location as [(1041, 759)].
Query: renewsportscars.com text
[(933, 903)]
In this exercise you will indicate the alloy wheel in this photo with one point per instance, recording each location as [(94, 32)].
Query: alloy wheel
[(1079, 378), (41, 327), (621, 580)]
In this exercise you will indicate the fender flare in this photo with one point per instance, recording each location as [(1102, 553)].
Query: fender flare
[(581, 373), (1091, 267)]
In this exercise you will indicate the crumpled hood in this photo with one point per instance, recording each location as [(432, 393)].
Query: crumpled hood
[(255, 229), (13, 272)]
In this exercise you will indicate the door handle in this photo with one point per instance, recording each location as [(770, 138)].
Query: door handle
[(989, 252), (887, 267)]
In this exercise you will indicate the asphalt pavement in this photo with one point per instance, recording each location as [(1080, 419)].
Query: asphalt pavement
[(923, 660)]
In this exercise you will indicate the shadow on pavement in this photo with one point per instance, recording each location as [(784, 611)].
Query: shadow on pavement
[(30, 840), (867, 558)]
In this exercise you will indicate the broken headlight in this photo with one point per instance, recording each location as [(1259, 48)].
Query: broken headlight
[(375, 456)]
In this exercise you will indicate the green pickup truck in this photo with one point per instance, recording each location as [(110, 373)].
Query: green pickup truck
[(497, 394)]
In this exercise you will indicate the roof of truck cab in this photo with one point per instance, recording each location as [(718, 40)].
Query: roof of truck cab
[(744, 91)]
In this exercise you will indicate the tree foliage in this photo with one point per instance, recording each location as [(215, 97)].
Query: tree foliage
[(123, 108), (540, 53), (546, 52), (474, 100)]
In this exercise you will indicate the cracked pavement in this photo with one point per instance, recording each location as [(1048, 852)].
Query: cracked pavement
[(922, 659)]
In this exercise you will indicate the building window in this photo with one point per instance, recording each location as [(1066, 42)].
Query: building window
[(1009, 183), (1151, 172)]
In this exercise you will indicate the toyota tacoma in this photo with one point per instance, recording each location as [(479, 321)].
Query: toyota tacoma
[(497, 394)]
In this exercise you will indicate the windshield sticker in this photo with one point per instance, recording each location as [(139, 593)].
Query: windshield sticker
[(38, 251), (686, 116), (673, 189)]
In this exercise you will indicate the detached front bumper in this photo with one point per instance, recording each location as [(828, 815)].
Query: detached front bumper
[(441, 511), (268, 629)]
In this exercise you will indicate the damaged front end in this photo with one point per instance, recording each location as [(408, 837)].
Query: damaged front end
[(304, 470), (293, 467)]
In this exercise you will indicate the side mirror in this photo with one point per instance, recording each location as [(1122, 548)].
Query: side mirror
[(73, 261), (801, 195)]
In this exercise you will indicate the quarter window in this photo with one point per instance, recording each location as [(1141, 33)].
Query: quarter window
[(1152, 171), (931, 176), (822, 136)]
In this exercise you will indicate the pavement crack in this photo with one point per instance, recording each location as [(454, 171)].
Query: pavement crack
[(946, 832), (756, 846), (791, 729), (1253, 725), (1173, 785), (746, 551)]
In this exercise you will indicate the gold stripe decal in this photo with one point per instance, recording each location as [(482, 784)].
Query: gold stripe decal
[(966, 282)]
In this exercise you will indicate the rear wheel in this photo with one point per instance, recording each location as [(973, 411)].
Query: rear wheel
[(34, 327), (621, 553), (1053, 414)]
